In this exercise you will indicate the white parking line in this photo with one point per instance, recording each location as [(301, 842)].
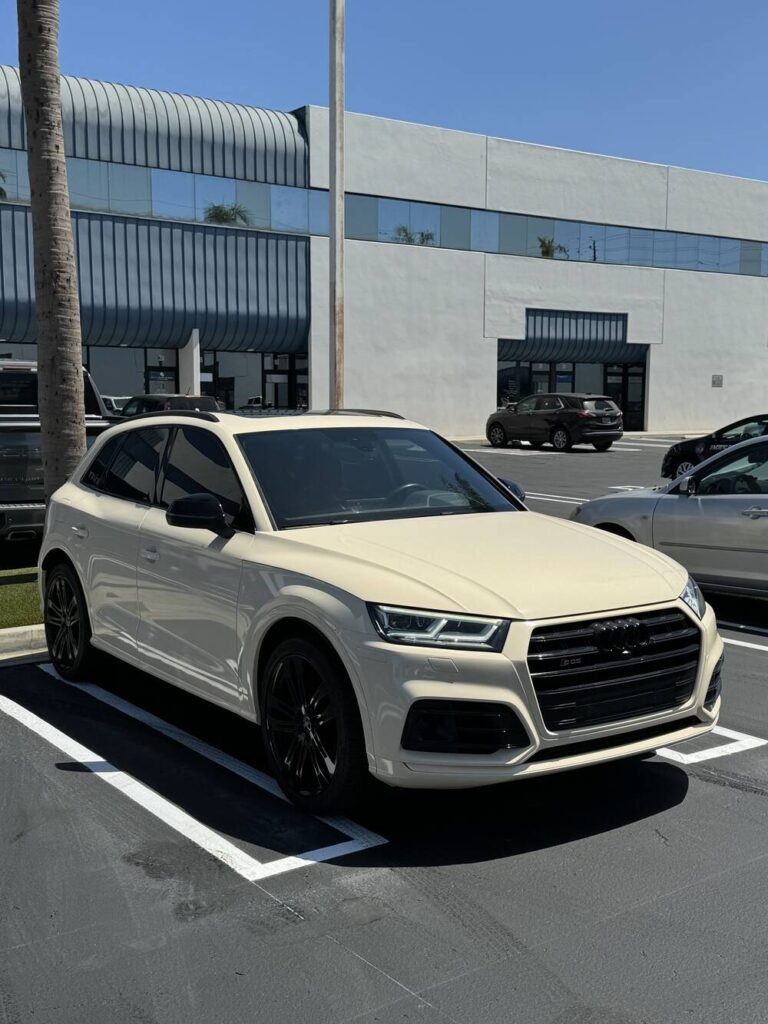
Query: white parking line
[(169, 813), (742, 741), (359, 838), (562, 499), (642, 444), (742, 643)]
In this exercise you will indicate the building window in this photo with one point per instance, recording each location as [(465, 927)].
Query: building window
[(129, 189), (215, 201), (455, 227), (88, 184), (173, 194), (362, 217), (290, 209)]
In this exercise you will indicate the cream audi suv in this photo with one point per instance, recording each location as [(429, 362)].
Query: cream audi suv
[(374, 599)]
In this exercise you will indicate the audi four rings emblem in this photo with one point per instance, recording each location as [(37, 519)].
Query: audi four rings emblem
[(621, 636)]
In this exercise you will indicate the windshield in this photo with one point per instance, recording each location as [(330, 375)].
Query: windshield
[(336, 475)]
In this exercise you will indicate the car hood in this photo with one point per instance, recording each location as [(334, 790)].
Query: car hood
[(513, 564)]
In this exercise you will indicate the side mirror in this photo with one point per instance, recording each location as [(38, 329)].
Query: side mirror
[(511, 406), (197, 512), (687, 485), (516, 489)]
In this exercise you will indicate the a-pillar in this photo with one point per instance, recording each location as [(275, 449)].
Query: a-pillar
[(189, 365)]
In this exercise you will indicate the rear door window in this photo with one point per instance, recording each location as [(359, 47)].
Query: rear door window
[(132, 473)]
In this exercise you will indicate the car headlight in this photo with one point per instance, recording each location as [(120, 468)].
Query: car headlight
[(694, 598), (415, 627)]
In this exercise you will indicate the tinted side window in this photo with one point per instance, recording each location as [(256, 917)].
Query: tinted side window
[(94, 474), (548, 403), (131, 408), (133, 471), (18, 389), (527, 405), (198, 464)]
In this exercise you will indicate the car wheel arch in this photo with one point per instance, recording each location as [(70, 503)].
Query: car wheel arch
[(291, 626), (616, 530), (58, 556)]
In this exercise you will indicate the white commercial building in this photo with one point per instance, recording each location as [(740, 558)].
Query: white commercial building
[(478, 269)]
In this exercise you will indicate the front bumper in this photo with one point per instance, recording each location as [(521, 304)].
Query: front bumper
[(396, 677)]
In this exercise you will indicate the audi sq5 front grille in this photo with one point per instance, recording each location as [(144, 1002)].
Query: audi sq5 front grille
[(611, 669)]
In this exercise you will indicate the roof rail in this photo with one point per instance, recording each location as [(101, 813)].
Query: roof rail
[(194, 414), (354, 412)]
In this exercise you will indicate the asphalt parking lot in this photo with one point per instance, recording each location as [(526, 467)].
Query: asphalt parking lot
[(150, 873)]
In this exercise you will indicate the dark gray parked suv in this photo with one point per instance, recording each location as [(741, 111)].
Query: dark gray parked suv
[(561, 420), (22, 508)]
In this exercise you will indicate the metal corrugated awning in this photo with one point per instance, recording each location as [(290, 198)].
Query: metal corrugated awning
[(149, 283), (555, 335)]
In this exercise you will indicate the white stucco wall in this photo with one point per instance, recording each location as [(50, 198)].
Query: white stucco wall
[(515, 283), (414, 334), (575, 186), (396, 158), (713, 324), (716, 204)]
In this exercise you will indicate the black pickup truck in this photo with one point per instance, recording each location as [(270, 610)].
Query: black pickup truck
[(22, 506)]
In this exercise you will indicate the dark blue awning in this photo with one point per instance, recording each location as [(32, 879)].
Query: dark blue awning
[(556, 335), (149, 283)]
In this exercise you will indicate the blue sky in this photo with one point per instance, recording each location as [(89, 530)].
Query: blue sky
[(671, 81)]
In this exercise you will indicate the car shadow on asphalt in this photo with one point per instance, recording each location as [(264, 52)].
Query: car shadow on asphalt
[(465, 826), (422, 827)]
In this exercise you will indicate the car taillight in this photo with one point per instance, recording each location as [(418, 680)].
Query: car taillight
[(584, 415)]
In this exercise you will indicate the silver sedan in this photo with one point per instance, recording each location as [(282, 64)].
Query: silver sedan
[(714, 521)]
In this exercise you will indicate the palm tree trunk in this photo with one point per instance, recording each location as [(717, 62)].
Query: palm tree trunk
[(59, 346)]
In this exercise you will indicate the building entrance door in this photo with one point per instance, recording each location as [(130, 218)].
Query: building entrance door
[(625, 384)]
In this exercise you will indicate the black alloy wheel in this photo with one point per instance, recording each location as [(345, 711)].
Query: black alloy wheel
[(601, 446), (312, 731), (561, 439), (497, 435), (67, 629)]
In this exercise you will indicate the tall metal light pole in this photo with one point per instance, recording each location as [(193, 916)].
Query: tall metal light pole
[(336, 153)]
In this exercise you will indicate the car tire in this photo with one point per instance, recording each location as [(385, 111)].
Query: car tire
[(601, 446), (67, 625), (560, 440), (682, 468), (497, 435), (313, 736)]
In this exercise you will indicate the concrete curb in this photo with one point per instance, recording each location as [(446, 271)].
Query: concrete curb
[(22, 640)]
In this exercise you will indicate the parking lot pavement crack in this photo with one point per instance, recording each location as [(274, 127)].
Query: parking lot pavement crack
[(389, 977)]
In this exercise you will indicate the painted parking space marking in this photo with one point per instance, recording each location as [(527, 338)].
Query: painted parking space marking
[(358, 838), (169, 813), (743, 643), (740, 741), (559, 498)]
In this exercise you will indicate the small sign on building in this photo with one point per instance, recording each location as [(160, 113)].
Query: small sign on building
[(717, 380)]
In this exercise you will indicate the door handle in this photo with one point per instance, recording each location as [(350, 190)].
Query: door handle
[(149, 554), (756, 512), (80, 531)]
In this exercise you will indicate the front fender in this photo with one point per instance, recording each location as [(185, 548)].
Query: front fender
[(269, 596)]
